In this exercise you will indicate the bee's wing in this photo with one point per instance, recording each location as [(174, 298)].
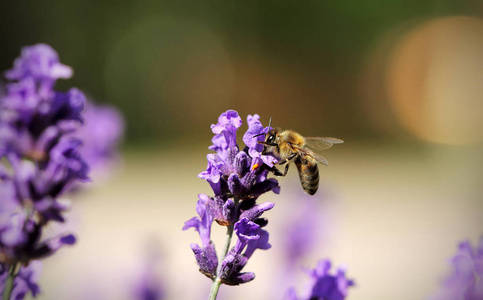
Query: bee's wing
[(318, 157), (314, 145), (321, 143)]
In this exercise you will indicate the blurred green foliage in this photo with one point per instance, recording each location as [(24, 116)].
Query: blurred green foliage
[(117, 47)]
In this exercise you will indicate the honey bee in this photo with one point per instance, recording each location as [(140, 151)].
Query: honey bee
[(289, 145)]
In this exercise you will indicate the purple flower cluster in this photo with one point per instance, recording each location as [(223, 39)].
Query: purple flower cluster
[(324, 286), (235, 173), (465, 281), (39, 155), (238, 178)]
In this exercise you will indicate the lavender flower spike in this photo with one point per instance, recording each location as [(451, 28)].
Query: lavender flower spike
[(39, 161), (465, 280), (324, 286), (238, 176)]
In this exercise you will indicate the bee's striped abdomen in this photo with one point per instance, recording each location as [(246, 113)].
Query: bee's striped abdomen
[(309, 175)]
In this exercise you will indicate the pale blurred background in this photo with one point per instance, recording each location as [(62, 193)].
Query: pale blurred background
[(400, 81)]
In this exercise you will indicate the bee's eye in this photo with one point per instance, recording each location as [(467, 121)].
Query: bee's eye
[(270, 139)]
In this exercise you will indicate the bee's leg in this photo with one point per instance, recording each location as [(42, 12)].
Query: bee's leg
[(284, 161), (277, 172), (286, 169)]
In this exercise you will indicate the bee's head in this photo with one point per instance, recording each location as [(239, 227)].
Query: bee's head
[(272, 136)]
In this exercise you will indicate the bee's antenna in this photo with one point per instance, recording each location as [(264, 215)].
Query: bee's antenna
[(269, 122)]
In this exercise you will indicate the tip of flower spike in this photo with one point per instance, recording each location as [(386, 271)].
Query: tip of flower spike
[(255, 166)]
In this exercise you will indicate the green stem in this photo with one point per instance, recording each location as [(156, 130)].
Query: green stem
[(12, 272), (217, 282)]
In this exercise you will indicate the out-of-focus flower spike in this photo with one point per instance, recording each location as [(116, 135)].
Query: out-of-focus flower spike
[(464, 280)]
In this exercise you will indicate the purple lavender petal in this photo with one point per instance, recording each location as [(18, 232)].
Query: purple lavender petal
[(227, 121), (463, 281), (67, 106), (229, 211), (256, 211), (213, 170), (240, 278), (251, 139), (66, 164), (290, 294), (270, 184), (12, 217), (20, 102), (51, 208), (206, 258), (50, 246), (235, 185), (202, 224), (231, 266), (241, 163), (247, 230), (40, 62), (300, 231), (225, 132), (25, 281), (149, 286), (102, 131), (261, 243), (327, 286)]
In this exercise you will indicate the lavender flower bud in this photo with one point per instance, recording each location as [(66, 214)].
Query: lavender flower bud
[(257, 210), (206, 259)]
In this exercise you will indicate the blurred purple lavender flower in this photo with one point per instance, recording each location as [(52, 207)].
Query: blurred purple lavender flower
[(465, 280), (149, 285), (41, 63), (299, 233), (102, 131), (324, 286), (300, 230), (39, 156), (25, 281), (238, 178)]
